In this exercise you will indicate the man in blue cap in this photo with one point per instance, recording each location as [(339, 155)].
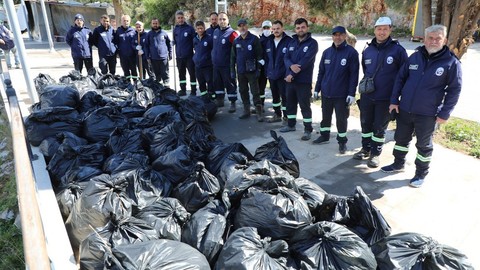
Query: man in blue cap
[(337, 82), (79, 39)]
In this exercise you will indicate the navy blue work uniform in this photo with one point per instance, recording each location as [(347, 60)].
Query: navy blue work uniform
[(107, 51), (299, 91), (203, 64), (374, 116), (183, 35), (275, 71), (158, 50), (222, 47), (79, 39), (212, 29), (337, 79), (427, 87), (146, 68), (123, 39), (246, 52), (262, 77)]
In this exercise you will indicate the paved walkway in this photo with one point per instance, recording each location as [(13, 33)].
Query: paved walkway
[(445, 208)]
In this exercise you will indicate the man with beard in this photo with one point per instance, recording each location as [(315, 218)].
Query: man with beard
[(275, 49), (124, 37), (299, 62), (107, 51), (425, 93), (387, 56), (158, 50), (140, 31), (79, 38), (222, 46), (202, 43), (183, 35), (213, 23)]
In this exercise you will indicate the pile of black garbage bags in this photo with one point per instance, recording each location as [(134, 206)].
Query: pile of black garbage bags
[(143, 183)]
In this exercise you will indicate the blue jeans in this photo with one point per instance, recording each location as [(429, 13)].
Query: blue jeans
[(15, 55)]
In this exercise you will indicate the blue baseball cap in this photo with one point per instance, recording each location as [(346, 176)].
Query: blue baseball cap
[(242, 21), (339, 29)]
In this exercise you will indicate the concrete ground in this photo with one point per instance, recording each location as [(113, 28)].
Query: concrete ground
[(445, 208)]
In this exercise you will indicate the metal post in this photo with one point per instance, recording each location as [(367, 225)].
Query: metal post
[(17, 36), (25, 14), (47, 25)]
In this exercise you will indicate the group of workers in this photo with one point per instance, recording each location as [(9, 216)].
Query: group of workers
[(419, 91)]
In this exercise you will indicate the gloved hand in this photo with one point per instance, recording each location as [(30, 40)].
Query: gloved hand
[(350, 100), (140, 52), (316, 95), (261, 62), (138, 47), (233, 75)]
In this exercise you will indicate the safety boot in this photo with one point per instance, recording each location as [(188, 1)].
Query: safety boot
[(259, 110), (233, 107), (246, 112)]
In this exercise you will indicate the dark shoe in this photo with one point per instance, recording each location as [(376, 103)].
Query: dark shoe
[(342, 148), (246, 112), (9, 67), (182, 93), (284, 121), (361, 154), (244, 116), (275, 119), (287, 129), (321, 140), (193, 93), (259, 113), (17, 66), (392, 168), (219, 102), (373, 162), (306, 135), (253, 110), (416, 182), (233, 107)]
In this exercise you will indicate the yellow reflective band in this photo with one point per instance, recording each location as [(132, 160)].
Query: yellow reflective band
[(276, 104), (400, 148), (292, 116), (307, 120), (376, 139), (367, 135), (324, 128), (342, 135), (424, 159)]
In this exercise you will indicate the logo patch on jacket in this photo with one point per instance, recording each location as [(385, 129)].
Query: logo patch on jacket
[(205, 44), (284, 50), (389, 60), (215, 37), (249, 47), (305, 49), (343, 62), (439, 71), (185, 34), (327, 61), (413, 67), (223, 41), (268, 50), (291, 49), (239, 46), (368, 61)]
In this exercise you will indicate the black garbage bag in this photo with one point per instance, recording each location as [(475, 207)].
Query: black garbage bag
[(103, 196), (358, 213), (132, 109), (193, 108), (278, 153), (165, 140), (94, 75), (200, 137), (107, 80), (246, 250), (416, 251), (50, 145), (124, 84), (142, 95), (59, 95), (206, 230), (99, 124), (91, 101), (157, 110), (167, 216), (311, 193), (125, 140), (80, 176), (235, 163), (126, 162), (277, 213), (327, 245), (221, 152), (156, 254), (48, 122), (198, 189), (84, 85), (42, 81), (145, 186), (150, 127), (70, 155), (176, 165), (262, 174), (67, 197), (166, 96), (116, 94), (116, 233)]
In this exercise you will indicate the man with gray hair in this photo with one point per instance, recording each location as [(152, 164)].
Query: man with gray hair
[(425, 93)]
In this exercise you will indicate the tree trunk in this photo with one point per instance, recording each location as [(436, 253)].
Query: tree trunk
[(447, 9), (438, 12), (427, 13), (117, 6)]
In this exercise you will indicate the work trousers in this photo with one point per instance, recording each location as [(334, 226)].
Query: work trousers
[(342, 112), (160, 69), (107, 64), (279, 96), (262, 84), (374, 118), (244, 81), (129, 66), (205, 80), (299, 94), (184, 64), (222, 81), (146, 68), (423, 126), (78, 63)]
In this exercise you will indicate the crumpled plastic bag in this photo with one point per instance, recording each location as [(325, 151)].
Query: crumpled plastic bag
[(59, 95), (99, 124), (313, 194)]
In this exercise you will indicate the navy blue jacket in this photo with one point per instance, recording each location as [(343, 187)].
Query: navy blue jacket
[(212, 29), (103, 40), (158, 46), (123, 39), (243, 50), (302, 53), (5, 36), (183, 35), (393, 56), (222, 46), (428, 85), (143, 40), (274, 60), (203, 51), (338, 72), (79, 41)]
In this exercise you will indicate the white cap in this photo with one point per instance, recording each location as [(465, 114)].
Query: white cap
[(383, 21), (267, 24), (139, 23)]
